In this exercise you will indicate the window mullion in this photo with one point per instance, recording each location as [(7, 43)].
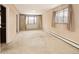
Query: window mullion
[(63, 16)]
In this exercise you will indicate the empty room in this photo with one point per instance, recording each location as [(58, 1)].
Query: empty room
[(39, 28)]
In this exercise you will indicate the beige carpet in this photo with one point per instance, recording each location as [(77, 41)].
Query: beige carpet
[(38, 42)]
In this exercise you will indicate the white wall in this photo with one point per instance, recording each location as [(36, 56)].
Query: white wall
[(10, 22)]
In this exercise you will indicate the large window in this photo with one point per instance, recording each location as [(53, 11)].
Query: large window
[(61, 16), (31, 20)]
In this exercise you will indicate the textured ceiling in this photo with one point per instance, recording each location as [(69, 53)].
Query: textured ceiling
[(34, 8)]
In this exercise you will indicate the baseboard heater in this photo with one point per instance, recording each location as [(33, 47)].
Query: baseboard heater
[(74, 44)]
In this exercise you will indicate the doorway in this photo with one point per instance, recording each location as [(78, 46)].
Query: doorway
[(2, 24)]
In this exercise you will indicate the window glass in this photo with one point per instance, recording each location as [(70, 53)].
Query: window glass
[(66, 15), (61, 16), (30, 19)]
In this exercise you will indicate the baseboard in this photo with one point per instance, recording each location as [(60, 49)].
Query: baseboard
[(74, 44)]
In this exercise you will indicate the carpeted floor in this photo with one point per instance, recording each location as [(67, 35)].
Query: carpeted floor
[(38, 42)]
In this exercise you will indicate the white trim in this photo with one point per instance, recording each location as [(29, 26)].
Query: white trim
[(76, 45)]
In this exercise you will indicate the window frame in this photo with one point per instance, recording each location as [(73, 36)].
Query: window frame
[(63, 21), (70, 24)]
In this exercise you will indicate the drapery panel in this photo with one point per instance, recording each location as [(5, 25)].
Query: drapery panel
[(22, 23), (39, 21), (70, 25)]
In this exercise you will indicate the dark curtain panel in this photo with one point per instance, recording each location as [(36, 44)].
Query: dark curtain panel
[(22, 23)]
